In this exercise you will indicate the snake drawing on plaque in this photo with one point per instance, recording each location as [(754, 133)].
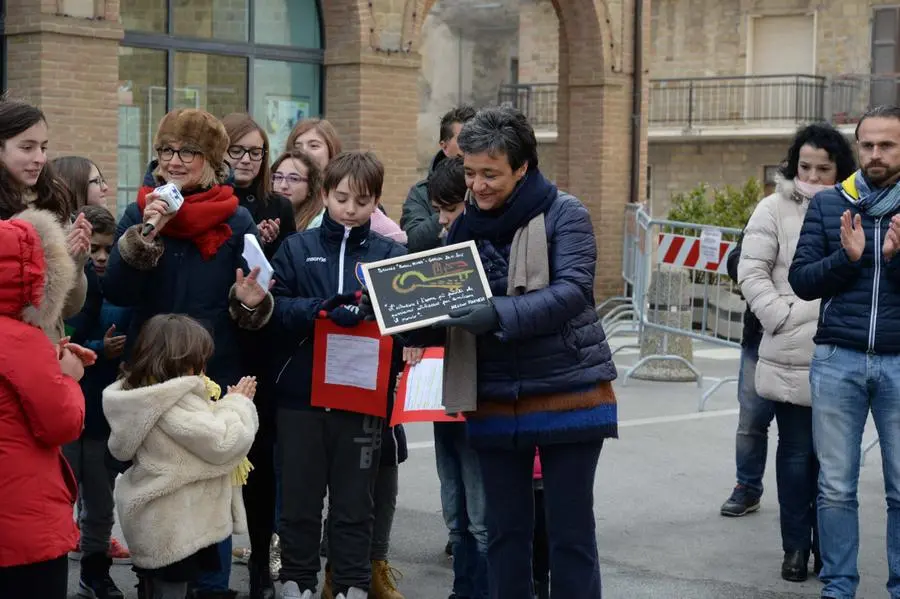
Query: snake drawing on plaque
[(445, 275)]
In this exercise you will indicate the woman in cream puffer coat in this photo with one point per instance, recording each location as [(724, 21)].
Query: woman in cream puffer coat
[(818, 158)]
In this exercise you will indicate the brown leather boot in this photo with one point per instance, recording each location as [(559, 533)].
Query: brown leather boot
[(384, 581)]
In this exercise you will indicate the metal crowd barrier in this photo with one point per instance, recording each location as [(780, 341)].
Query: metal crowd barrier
[(677, 289)]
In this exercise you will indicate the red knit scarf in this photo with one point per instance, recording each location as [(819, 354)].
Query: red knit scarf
[(201, 218)]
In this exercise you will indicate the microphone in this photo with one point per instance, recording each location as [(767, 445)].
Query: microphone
[(171, 195)]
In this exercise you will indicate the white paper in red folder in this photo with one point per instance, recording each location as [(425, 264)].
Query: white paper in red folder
[(420, 391)]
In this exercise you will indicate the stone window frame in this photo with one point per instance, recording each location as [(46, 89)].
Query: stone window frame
[(170, 44)]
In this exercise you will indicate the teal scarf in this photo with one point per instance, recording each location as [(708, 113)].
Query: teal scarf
[(874, 202)]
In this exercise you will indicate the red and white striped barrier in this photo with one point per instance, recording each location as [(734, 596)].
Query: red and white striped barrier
[(681, 250)]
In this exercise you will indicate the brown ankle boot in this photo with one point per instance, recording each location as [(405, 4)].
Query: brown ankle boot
[(384, 581)]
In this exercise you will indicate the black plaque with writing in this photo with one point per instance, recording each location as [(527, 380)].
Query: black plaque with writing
[(417, 290)]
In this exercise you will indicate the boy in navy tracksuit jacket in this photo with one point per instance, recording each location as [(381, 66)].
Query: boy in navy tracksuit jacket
[(327, 450), (96, 327)]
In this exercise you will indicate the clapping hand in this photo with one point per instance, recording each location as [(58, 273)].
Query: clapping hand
[(78, 238), (269, 229), (853, 237), (246, 387), (247, 290), (113, 345), (85, 355), (892, 239), (70, 364)]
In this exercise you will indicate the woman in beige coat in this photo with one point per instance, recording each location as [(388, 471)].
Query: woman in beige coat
[(818, 158)]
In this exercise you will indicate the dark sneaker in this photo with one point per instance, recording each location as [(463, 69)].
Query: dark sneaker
[(99, 588), (742, 502)]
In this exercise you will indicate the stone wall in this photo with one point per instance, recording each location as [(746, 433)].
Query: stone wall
[(678, 167), (718, 41)]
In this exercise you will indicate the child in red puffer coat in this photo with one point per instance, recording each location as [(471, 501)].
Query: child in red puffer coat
[(540, 550), (41, 409)]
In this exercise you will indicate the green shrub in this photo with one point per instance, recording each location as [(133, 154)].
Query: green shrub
[(724, 207)]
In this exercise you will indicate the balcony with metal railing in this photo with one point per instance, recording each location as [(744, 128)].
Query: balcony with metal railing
[(745, 106)]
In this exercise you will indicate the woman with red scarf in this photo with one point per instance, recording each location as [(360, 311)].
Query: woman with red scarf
[(187, 262)]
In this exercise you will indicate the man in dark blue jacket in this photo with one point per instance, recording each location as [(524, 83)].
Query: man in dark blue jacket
[(847, 256)]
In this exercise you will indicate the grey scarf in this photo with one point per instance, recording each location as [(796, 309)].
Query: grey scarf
[(529, 270)]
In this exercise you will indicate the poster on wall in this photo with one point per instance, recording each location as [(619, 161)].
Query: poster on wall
[(282, 113)]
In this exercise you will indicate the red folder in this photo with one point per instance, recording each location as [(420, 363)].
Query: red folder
[(402, 412), (349, 382)]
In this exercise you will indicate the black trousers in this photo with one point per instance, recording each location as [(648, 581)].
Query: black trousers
[(338, 453), (47, 580), (259, 493)]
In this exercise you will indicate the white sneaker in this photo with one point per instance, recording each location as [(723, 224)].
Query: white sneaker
[(354, 593), (290, 590)]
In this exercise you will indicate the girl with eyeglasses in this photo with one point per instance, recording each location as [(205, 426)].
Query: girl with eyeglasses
[(297, 176), (84, 180), (248, 157)]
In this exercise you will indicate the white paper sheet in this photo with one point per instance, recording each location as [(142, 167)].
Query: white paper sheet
[(254, 256), (710, 245), (425, 386), (352, 361)]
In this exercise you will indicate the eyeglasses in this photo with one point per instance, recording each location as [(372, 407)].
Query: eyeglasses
[(98, 181), (238, 152), (292, 179), (184, 154)]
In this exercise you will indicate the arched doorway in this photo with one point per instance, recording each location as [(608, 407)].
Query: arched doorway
[(372, 96)]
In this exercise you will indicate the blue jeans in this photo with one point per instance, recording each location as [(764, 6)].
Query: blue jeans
[(756, 413), (796, 472), (568, 471), (463, 504), (845, 385), (218, 580)]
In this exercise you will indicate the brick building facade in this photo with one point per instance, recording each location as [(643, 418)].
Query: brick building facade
[(730, 81), (105, 71)]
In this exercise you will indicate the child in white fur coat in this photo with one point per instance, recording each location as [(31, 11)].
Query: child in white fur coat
[(182, 493)]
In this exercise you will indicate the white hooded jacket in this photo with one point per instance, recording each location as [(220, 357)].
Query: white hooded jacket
[(178, 496), (789, 323)]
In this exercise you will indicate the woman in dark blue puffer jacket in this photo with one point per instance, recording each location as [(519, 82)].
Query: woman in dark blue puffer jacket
[(544, 368)]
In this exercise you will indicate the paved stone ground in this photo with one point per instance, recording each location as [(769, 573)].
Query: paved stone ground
[(658, 492)]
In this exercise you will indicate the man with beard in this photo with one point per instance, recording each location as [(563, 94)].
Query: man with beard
[(847, 257)]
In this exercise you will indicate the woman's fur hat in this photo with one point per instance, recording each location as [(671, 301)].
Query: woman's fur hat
[(197, 128)]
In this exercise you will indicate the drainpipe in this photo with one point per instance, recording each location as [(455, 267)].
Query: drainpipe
[(636, 101)]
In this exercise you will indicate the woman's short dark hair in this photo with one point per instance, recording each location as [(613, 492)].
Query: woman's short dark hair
[(500, 131), (169, 346), (447, 183), (365, 171), (824, 137)]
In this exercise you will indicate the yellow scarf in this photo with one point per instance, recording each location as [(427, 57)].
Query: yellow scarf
[(242, 472)]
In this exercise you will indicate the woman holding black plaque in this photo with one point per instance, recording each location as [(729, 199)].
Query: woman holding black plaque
[(544, 368)]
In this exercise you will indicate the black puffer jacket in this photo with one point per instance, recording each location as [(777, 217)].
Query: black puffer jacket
[(860, 300)]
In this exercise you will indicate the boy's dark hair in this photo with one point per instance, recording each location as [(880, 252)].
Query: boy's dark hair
[(101, 219), (885, 111), (501, 131), (169, 346), (365, 171), (461, 114), (447, 183)]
